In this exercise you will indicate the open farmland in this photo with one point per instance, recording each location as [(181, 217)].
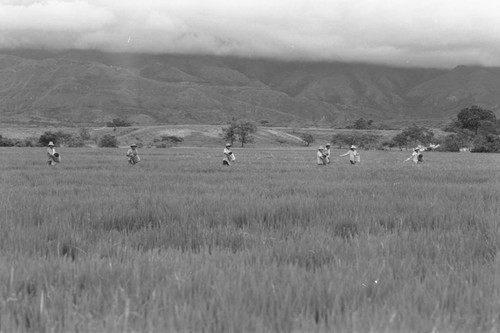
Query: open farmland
[(274, 243)]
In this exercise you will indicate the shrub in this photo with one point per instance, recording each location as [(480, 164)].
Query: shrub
[(5, 142), (46, 137), (167, 141), (413, 135), (75, 141), (451, 142), (57, 138), (84, 133), (118, 122), (31, 142), (108, 141), (362, 140), (489, 143)]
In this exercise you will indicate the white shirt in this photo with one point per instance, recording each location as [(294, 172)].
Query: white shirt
[(352, 154), (228, 155), (320, 157)]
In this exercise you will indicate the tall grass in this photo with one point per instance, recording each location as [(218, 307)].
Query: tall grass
[(274, 243)]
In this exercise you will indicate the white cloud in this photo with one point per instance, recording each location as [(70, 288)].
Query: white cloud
[(403, 32)]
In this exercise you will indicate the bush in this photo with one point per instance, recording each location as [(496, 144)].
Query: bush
[(387, 144), (46, 137), (84, 133), (108, 141), (362, 140), (413, 135), (167, 141), (451, 143), (118, 122), (5, 142), (75, 141), (57, 138), (489, 143), (30, 142)]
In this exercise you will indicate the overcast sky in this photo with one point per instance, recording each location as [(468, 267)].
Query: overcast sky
[(430, 33)]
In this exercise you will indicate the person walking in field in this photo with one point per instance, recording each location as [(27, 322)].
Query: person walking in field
[(327, 153), (354, 157), (228, 155), (416, 155), (52, 156), (321, 156), (133, 155)]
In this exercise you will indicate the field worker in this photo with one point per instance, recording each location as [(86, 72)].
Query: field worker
[(133, 155), (353, 155), (327, 153), (321, 156), (52, 156), (416, 155), (228, 155)]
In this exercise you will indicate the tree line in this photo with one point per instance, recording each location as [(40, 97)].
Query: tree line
[(475, 128)]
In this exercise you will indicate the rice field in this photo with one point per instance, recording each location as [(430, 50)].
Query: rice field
[(274, 243)]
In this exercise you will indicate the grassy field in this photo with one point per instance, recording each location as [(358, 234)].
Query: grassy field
[(274, 243)]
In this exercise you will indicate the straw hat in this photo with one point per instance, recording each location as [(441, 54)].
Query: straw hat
[(321, 148), (133, 145), (51, 143), (353, 147), (327, 145), (228, 145)]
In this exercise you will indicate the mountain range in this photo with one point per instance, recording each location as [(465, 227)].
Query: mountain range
[(91, 87)]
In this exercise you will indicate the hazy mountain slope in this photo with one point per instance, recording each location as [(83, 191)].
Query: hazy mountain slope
[(93, 87), (459, 88)]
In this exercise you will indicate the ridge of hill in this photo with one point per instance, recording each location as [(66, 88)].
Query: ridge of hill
[(90, 87)]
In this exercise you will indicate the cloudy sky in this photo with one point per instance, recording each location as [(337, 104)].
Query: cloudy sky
[(423, 33)]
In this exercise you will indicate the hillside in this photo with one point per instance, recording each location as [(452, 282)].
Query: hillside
[(84, 87)]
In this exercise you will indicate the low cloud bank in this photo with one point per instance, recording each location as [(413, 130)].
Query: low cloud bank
[(419, 33)]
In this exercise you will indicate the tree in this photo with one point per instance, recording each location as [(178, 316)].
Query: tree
[(108, 141), (488, 143), (471, 117), (360, 124), (400, 140), (229, 132), (84, 133), (342, 139), (451, 142), (413, 135), (244, 131), (46, 137), (239, 131), (486, 127), (306, 137), (367, 140), (59, 138)]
